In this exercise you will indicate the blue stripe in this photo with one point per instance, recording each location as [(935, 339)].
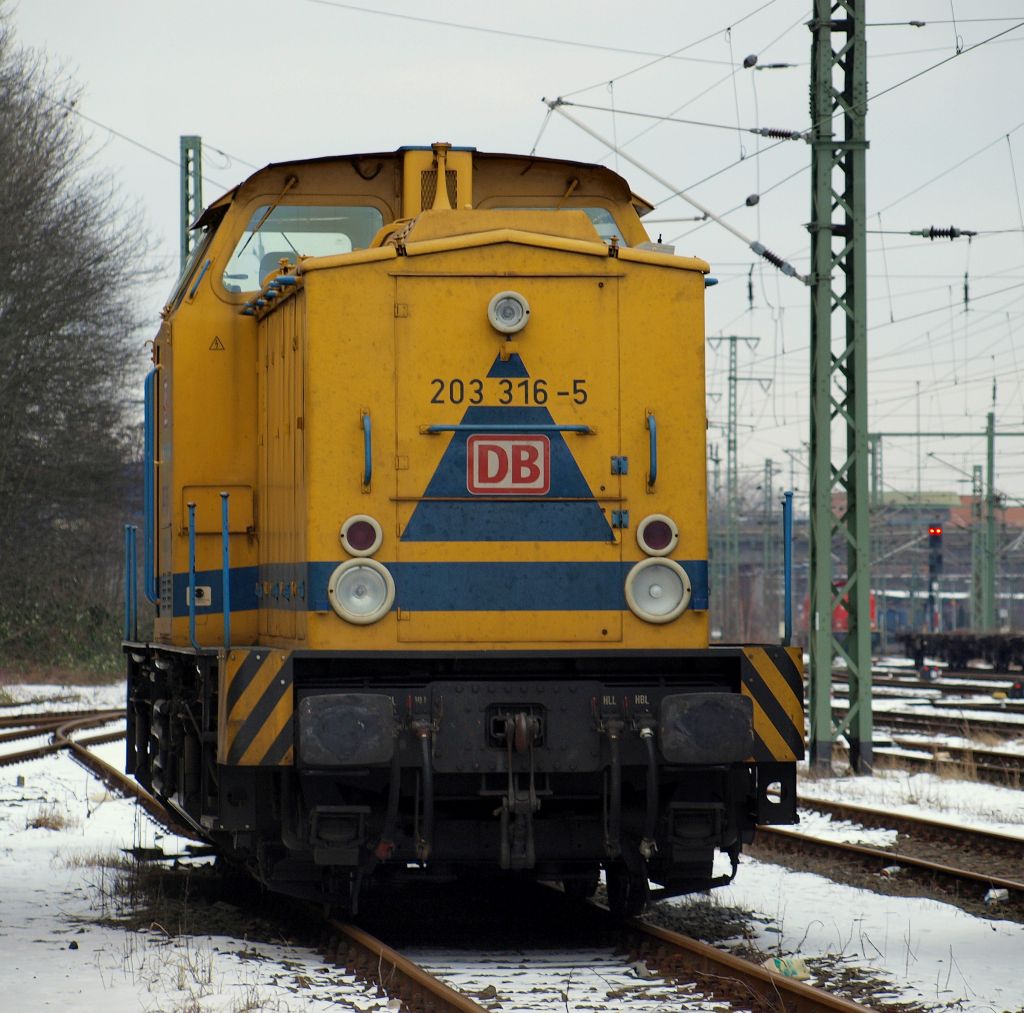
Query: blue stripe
[(445, 587), (242, 590)]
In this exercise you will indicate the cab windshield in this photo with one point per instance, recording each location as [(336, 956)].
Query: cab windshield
[(293, 229)]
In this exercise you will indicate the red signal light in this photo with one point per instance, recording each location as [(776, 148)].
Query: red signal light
[(934, 530)]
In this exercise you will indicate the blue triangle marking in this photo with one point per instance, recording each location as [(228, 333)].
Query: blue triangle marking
[(511, 367), (546, 519)]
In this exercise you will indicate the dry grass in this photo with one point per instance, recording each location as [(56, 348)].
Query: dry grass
[(49, 675), (95, 860), (50, 817)]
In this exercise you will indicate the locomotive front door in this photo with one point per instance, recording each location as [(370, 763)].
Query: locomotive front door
[(508, 490)]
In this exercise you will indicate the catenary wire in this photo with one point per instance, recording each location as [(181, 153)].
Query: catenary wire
[(674, 53), (483, 29)]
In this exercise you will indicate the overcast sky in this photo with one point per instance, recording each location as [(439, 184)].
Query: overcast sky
[(265, 81)]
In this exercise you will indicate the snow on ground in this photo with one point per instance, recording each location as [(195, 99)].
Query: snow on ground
[(823, 826), (933, 953), (35, 699), (52, 891), (887, 705), (967, 803), (929, 742)]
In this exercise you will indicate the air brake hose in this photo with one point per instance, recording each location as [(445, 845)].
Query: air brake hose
[(423, 845), (647, 845), (614, 843)]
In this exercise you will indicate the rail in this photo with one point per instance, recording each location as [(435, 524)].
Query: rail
[(507, 427), (727, 976), (962, 881), (61, 726)]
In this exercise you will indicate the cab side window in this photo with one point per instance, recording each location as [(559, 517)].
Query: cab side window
[(291, 230)]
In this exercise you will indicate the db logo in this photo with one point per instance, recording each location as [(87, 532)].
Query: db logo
[(508, 465)]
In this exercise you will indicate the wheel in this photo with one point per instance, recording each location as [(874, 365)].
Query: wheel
[(628, 892)]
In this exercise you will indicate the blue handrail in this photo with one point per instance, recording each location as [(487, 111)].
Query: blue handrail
[(507, 428), (149, 486), (225, 551), (131, 591), (652, 426), (367, 451), (192, 576), (787, 568)]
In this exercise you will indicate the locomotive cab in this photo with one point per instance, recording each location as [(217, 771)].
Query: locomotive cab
[(426, 529)]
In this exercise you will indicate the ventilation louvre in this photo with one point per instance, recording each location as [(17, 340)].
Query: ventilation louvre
[(428, 188)]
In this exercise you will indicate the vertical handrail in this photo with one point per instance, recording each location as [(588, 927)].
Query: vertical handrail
[(367, 450), (131, 603), (149, 486), (134, 570), (787, 568), (192, 576), (225, 552), (652, 428)]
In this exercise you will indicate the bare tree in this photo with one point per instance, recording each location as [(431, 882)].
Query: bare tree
[(68, 373)]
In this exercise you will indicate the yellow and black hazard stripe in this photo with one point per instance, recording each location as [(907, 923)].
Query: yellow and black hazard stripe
[(256, 707), (773, 679)]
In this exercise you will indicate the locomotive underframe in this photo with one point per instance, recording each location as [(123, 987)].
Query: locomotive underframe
[(554, 765)]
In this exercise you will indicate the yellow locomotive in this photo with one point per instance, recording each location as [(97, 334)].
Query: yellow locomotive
[(426, 531)]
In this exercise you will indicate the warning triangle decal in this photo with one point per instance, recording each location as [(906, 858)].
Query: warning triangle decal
[(567, 512)]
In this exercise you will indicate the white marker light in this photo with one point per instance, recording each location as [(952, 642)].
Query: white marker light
[(508, 312), (361, 591), (658, 590)]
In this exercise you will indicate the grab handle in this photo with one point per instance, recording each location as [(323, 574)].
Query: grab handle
[(652, 428), (367, 450)]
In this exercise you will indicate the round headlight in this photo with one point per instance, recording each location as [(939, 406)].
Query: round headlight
[(657, 535), (361, 535), (361, 591), (508, 312), (657, 590)]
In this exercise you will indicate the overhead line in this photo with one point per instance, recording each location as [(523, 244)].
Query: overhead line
[(72, 108), (754, 245), (668, 56), (784, 135), (946, 172), (952, 56), (515, 35)]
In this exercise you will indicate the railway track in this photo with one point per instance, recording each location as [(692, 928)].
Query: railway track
[(692, 971), (682, 972), (942, 685), (993, 766), (61, 727), (997, 857), (1002, 853), (961, 723)]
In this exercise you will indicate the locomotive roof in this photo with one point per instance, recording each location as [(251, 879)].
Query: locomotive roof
[(612, 179)]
